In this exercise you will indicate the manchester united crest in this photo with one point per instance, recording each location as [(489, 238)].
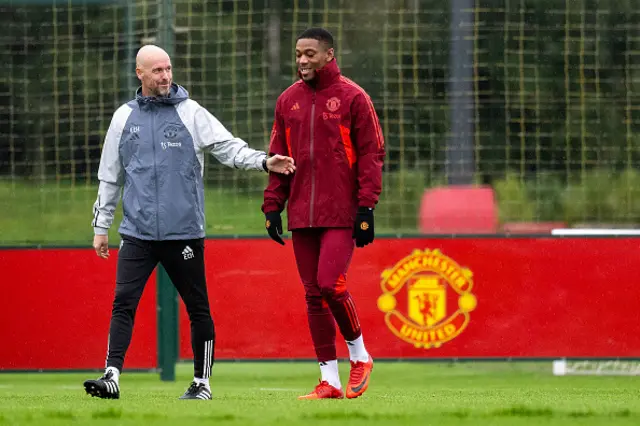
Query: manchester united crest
[(426, 298), (171, 131), (333, 104)]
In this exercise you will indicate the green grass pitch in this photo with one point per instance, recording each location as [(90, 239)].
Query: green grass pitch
[(401, 393)]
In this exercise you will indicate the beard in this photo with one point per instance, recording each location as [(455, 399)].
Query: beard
[(161, 91)]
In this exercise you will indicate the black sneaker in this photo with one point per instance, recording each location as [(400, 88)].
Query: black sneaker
[(104, 387), (197, 391)]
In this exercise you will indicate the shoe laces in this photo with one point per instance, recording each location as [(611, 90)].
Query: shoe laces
[(323, 387), (107, 376), (357, 371), (193, 388)]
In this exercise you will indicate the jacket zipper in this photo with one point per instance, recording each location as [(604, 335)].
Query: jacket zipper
[(313, 177), (155, 170)]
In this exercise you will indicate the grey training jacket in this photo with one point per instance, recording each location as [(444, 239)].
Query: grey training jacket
[(154, 152)]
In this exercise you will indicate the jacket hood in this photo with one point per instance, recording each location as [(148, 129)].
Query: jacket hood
[(176, 95)]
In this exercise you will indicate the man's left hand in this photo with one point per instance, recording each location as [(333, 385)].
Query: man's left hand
[(273, 224), (363, 231), (281, 164)]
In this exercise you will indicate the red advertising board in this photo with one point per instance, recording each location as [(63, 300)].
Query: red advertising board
[(435, 298), (416, 298), (56, 305)]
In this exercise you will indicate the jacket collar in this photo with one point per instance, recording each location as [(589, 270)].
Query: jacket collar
[(325, 76), (176, 95)]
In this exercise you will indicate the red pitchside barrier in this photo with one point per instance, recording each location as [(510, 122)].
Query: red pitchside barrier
[(466, 297), (417, 297), (56, 309)]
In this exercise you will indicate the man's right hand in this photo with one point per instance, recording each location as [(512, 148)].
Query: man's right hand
[(273, 224), (101, 245)]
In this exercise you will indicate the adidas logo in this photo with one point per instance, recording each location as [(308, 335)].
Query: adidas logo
[(295, 107), (187, 253)]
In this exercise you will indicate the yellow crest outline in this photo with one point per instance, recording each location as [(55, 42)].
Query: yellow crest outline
[(430, 332)]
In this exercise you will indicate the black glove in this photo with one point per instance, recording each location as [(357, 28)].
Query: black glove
[(363, 228), (273, 224)]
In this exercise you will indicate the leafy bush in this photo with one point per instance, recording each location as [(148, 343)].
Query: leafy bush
[(514, 200), (597, 195)]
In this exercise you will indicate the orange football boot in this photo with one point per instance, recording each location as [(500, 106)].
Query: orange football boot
[(324, 390), (359, 377)]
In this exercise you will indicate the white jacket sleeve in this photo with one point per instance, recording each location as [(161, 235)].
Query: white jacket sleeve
[(214, 138), (110, 174)]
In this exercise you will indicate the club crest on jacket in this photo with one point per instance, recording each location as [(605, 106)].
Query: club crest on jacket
[(333, 104)]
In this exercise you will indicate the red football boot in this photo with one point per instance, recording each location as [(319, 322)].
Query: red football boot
[(322, 391), (359, 377)]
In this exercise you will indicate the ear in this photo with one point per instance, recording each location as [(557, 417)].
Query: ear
[(139, 73), (330, 53)]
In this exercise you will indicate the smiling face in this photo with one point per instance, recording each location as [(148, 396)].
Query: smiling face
[(153, 68), (312, 55)]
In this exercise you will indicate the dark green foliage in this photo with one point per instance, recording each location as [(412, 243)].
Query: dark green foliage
[(555, 91)]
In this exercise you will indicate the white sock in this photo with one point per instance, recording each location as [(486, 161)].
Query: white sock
[(357, 351), (116, 374), (204, 382), (329, 372)]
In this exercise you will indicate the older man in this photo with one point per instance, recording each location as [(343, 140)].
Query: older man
[(154, 152)]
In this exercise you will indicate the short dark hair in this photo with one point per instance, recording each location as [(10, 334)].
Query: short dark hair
[(319, 34)]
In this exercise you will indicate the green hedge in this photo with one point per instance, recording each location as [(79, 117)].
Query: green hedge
[(587, 197)]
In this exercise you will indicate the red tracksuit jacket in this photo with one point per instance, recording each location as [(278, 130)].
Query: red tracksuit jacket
[(332, 132)]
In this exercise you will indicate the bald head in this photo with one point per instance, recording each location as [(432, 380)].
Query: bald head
[(153, 68), (149, 54)]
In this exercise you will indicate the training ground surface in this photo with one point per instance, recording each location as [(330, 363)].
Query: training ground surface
[(401, 393)]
